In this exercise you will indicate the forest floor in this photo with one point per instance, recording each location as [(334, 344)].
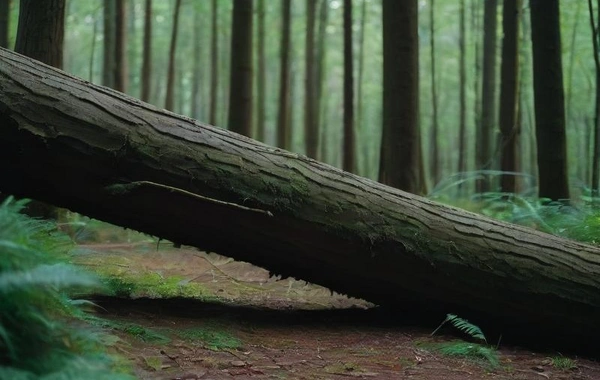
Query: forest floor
[(245, 324)]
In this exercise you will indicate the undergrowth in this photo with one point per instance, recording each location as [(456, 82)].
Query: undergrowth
[(577, 218), (40, 337), (479, 350)]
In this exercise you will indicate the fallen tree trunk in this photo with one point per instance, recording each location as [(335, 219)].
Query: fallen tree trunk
[(115, 158)]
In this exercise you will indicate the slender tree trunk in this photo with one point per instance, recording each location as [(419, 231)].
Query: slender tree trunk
[(4, 22), (549, 100), (572, 54), (362, 158), (240, 95), (261, 74), (283, 118), (462, 75), (121, 70), (488, 92), (434, 153), (195, 99), (41, 31), (214, 68), (169, 99), (596, 134), (109, 60), (321, 63), (509, 93), (476, 30), (349, 138), (311, 130), (400, 138), (147, 53)]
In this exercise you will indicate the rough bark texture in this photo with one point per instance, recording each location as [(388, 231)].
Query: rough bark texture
[(41, 30), (549, 100), (240, 96), (107, 155), (400, 138)]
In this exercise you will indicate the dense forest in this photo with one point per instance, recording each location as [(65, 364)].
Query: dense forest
[(289, 73)]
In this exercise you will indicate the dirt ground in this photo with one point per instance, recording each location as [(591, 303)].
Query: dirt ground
[(248, 325)]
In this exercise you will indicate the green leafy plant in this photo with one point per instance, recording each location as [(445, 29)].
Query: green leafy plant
[(37, 334), (562, 363), (213, 339), (478, 351)]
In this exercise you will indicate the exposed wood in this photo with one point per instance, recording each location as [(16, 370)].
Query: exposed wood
[(110, 156)]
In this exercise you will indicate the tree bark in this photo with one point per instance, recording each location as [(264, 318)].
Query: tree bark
[(147, 54), (214, 67), (488, 92), (4, 22), (284, 118), (170, 97), (549, 101), (311, 129), (240, 95), (261, 74), (41, 30), (400, 151), (349, 138), (108, 59), (112, 157), (434, 154), (121, 69), (509, 95)]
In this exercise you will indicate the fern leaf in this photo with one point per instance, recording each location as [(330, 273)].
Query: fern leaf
[(466, 327)]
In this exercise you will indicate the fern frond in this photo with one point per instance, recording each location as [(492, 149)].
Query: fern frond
[(466, 327)]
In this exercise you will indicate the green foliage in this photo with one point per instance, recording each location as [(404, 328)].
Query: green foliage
[(470, 350), (562, 363), (37, 338), (474, 351), (463, 325)]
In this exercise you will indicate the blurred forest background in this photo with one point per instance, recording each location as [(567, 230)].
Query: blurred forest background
[(452, 108)]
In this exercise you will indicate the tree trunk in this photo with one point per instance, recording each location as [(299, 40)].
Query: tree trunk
[(261, 74), (362, 157), (109, 61), (549, 100), (596, 142), (121, 69), (112, 157), (320, 78), (509, 91), (311, 130), (147, 54), (349, 142), (462, 75), (214, 68), (400, 138), (434, 153), (41, 31), (240, 94), (283, 118), (4, 22), (169, 99), (488, 92)]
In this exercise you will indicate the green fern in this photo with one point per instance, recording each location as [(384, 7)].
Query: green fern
[(36, 339), (463, 325), (470, 350)]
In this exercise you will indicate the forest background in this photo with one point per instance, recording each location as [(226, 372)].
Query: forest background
[(439, 35)]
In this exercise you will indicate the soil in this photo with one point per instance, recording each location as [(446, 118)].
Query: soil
[(249, 325)]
